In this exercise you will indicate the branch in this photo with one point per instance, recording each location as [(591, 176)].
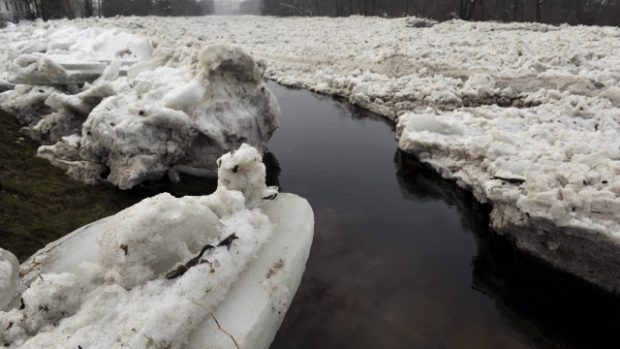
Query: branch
[(224, 331)]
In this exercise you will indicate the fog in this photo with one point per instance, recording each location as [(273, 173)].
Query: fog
[(226, 7)]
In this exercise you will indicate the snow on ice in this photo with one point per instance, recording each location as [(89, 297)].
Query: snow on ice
[(142, 118), (160, 273), (523, 114)]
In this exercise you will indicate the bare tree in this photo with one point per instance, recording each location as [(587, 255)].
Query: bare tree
[(538, 4), (553, 11), (466, 9), (88, 8)]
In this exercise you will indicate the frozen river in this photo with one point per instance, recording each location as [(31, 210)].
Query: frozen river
[(401, 258)]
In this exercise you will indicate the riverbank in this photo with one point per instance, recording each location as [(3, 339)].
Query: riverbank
[(520, 114), (34, 196)]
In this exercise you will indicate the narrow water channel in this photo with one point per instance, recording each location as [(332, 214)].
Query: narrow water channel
[(404, 259), (401, 258)]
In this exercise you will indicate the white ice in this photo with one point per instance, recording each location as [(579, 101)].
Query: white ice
[(159, 118), (9, 277), (104, 285)]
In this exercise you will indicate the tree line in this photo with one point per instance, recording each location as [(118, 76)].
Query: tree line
[(53, 9), (590, 12)]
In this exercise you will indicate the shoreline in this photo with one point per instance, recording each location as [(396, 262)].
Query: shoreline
[(501, 96)]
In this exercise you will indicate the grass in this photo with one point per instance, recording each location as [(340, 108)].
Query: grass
[(38, 202)]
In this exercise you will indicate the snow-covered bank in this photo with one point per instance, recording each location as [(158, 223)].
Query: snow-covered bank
[(214, 271), (524, 115)]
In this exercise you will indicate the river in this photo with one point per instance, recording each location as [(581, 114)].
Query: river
[(401, 258)]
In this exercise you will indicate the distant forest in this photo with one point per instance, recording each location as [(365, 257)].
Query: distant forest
[(589, 12), (53, 9)]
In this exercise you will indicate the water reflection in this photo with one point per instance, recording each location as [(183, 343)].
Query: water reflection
[(551, 309), (411, 263), (385, 271), (419, 182)]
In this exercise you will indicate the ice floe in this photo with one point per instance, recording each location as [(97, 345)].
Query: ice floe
[(156, 119), (215, 271)]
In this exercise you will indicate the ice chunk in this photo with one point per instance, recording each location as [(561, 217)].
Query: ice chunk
[(613, 94), (49, 299), (9, 277), (161, 273), (238, 171), (27, 103), (5, 86), (480, 85), (71, 55), (134, 255), (429, 123), (256, 305), (166, 120), (35, 69)]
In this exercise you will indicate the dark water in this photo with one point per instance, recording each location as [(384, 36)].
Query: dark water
[(404, 259), (401, 258)]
